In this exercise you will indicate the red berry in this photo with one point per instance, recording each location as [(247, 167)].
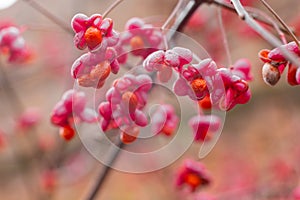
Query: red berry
[(67, 133), (193, 179), (101, 71), (291, 76), (167, 130), (271, 74), (205, 103), (130, 101), (137, 43), (263, 55), (198, 85), (129, 134), (165, 74), (93, 37)]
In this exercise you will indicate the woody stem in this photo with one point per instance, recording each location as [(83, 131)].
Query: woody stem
[(111, 7), (49, 15), (101, 177), (281, 21)]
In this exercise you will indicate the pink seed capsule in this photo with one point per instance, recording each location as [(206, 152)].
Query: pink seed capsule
[(271, 74)]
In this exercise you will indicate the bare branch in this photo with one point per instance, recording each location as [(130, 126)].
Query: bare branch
[(281, 21), (104, 173), (172, 15), (253, 14), (244, 15), (49, 15), (224, 36), (110, 8)]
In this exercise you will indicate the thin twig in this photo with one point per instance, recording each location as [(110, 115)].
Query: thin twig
[(183, 18), (104, 173), (253, 15), (111, 7), (224, 37), (168, 21), (281, 21), (244, 15), (18, 108), (172, 15), (275, 25), (16, 103), (49, 15)]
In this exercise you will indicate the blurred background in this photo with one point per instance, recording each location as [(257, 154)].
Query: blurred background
[(256, 157)]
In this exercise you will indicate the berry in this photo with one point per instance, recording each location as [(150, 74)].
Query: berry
[(193, 174), (67, 133), (199, 85), (93, 32), (129, 100), (164, 120), (204, 126), (275, 63), (93, 37), (271, 74), (137, 42), (70, 109), (92, 69), (129, 135), (13, 43), (205, 103)]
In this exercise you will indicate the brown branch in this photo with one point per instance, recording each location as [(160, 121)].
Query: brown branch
[(281, 21), (17, 108), (183, 18), (253, 15), (172, 15), (49, 15), (101, 177), (244, 15), (110, 8), (224, 37)]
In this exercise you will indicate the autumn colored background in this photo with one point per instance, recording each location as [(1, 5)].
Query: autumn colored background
[(257, 153)]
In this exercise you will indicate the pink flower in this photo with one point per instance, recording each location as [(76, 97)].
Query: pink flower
[(12, 41), (92, 69), (193, 174), (236, 90), (293, 75), (224, 86), (123, 108), (143, 39), (296, 193), (196, 80), (277, 56), (242, 68), (93, 32), (204, 126), (29, 118), (164, 120), (275, 61), (71, 107), (164, 61)]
